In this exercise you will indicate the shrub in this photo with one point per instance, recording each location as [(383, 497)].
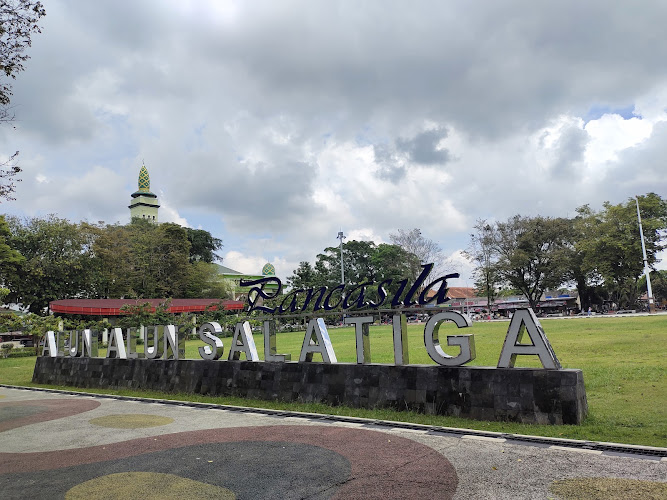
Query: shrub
[(5, 349), (24, 352)]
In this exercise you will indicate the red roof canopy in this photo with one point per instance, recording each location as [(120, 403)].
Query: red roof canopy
[(112, 307)]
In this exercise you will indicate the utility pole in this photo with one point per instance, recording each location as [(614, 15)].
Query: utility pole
[(651, 304), (341, 236)]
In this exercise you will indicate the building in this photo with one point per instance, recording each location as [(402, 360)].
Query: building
[(144, 204), (111, 308), (465, 300), (241, 292)]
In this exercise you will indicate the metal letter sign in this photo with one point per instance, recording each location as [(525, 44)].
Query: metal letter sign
[(82, 343), (432, 343), (362, 334), (323, 345), (270, 344), (209, 332), (400, 329), (116, 347), (154, 342), (525, 321), (50, 347), (242, 342)]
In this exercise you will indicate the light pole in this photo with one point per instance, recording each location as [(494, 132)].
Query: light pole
[(341, 236), (651, 305)]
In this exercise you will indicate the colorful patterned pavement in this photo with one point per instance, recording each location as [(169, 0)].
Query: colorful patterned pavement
[(55, 445)]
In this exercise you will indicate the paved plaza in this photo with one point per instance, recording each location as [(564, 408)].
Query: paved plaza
[(55, 445)]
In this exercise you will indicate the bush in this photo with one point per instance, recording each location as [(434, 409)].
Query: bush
[(5, 349), (23, 352)]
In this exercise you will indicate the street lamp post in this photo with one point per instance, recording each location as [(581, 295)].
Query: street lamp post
[(651, 305), (342, 272)]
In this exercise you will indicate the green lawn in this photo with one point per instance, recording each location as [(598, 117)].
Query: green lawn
[(624, 361)]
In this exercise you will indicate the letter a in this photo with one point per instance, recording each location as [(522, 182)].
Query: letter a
[(317, 328), (525, 321)]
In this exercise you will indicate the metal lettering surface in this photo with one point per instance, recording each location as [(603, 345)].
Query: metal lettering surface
[(269, 329), (153, 342), (465, 342), (400, 330), (116, 348), (320, 344), (174, 344), (524, 321), (243, 342), (50, 347), (362, 334), (208, 333)]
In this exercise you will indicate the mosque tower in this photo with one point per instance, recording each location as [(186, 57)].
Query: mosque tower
[(144, 204)]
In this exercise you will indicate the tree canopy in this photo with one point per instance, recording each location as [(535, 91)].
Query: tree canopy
[(46, 259), (598, 252), (363, 262)]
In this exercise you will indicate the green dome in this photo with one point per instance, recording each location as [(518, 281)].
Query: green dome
[(268, 270), (144, 180)]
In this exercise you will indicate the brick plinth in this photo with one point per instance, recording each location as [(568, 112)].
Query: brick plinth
[(503, 394)]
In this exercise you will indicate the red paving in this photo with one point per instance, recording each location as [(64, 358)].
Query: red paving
[(382, 465), (55, 408)]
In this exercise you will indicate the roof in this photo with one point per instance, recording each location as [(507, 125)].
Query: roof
[(456, 292), (226, 270), (112, 307), (461, 292)]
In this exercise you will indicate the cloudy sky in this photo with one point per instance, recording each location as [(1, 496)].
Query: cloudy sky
[(274, 125)]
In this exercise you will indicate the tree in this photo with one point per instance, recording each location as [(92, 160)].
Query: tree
[(612, 248), (303, 276), (111, 263), (363, 262), (57, 262), (658, 285), (581, 269), (160, 259), (18, 21), (10, 259), (427, 251), (482, 252), (394, 263), (204, 281), (531, 254), (203, 246)]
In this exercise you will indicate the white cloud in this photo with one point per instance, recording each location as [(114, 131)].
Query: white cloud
[(276, 124), (170, 214), (253, 264)]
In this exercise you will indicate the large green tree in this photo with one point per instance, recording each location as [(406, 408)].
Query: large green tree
[(57, 262), (483, 253), (10, 259), (203, 245), (160, 259), (532, 254), (112, 261), (204, 281), (581, 269), (363, 262), (611, 249)]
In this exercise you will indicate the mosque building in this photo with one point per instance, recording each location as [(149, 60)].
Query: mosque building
[(144, 204)]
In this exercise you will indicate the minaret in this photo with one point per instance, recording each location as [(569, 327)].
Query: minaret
[(144, 204)]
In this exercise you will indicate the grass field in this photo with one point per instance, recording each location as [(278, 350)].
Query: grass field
[(624, 361)]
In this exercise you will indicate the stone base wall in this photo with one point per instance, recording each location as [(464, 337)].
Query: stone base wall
[(526, 395)]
